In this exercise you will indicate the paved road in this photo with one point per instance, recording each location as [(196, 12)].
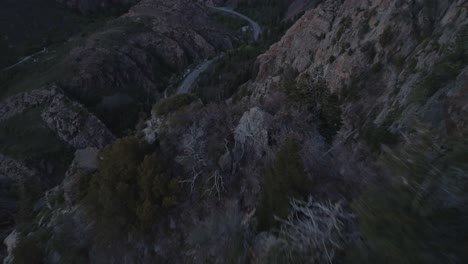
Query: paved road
[(257, 30), (193, 75), (25, 59)]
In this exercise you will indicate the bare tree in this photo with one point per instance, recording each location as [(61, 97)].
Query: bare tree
[(217, 184), (314, 229), (193, 156)]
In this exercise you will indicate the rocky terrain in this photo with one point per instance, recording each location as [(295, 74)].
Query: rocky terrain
[(344, 141)]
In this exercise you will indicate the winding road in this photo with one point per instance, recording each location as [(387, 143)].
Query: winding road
[(256, 29), (202, 67), (25, 59), (193, 75)]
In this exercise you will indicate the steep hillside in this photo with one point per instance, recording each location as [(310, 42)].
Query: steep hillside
[(344, 141), (82, 92)]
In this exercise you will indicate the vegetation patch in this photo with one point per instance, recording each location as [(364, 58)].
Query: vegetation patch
[(173, 103), (230, 22), (317, 94), (386, 36), (284, 178), (131, 188), (228, 73), (443, 72), (399, 61), (29, 250), (417, 222), (26, 136), (378, 135)]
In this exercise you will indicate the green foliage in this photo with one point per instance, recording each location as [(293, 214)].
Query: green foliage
[(378, 135), (230, 22), (173, 103), (345, 22), (29, 191), (284, 178), (317, 94), (37, 24), (386, 36), (443, 72), (266, 12), (28, 251), (113, 33), (131, 187), (222, 233), (376, 68), (399, 61), (228, 73), (27, 136), (52, 27), (424, 219), (297, 91)]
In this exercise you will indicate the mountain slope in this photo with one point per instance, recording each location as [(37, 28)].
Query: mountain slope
[(345, 142)]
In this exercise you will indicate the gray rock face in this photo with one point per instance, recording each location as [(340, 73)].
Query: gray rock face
[(19, 103), (12, 169), (252, 132), (75, 125), (10, 242), (70, 120), (85, 161), (371, 52)]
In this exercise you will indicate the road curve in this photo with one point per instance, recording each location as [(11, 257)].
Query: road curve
[(199, 69), (257, 30), (193, 75)]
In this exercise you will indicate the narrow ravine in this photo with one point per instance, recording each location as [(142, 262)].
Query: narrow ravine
[(188, 81)]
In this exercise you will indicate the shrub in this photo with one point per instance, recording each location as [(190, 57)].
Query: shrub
[(376, 68), (316, 94), (29, 191), (378, 135), (28, 250), (422, 220), (399, 61), (221, 238), (284, 178), (228, 73), (173, 103), (131, 187), (386, 36), (297, 91), (443, 72)]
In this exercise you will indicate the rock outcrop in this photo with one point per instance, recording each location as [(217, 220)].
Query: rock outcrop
[(75, 125), (378, 57), (70, 120)]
